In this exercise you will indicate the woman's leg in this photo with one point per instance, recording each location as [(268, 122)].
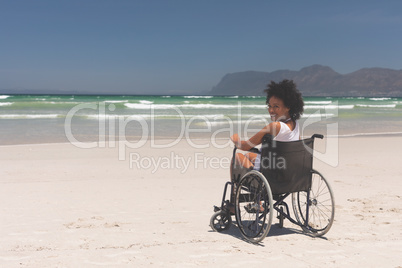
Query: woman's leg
[(251, 157), (244, 161)]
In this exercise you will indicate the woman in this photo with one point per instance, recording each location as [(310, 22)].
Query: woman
[(285, 106)]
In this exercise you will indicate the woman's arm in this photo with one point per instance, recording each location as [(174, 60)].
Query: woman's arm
[(273, 128)]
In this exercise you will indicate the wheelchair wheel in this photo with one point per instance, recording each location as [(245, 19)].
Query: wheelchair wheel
[(220, 221), (320, 204), (254, 206)]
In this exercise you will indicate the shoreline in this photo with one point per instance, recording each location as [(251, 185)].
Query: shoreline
[(106, 140)]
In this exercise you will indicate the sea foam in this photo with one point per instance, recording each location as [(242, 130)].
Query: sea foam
[(30, 116), (187, 105), (376, 105)]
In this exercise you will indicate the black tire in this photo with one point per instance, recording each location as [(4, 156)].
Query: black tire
[(321, 206), (254, 206), (220, 221)]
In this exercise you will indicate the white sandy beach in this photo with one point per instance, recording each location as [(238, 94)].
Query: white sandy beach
[(62, 206)]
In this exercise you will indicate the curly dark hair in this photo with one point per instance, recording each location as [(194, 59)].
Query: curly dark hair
[(286, 91)]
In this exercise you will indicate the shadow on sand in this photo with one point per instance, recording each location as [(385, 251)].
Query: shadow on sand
[(275, 231)]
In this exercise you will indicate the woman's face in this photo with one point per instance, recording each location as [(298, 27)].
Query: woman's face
[(277, 110)]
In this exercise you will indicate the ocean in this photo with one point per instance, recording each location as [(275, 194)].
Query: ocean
[(29, 119)]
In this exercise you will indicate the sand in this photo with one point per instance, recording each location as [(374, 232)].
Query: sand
[(63, 206)]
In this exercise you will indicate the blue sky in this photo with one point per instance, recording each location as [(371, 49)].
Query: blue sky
[(186, 46)]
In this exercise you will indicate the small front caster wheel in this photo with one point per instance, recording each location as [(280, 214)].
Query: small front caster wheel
[(220, 221)]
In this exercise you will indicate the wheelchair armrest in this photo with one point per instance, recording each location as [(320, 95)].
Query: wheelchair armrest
[(254, 150), (317, 136)]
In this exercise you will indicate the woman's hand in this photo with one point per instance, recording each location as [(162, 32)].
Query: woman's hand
[(236, 140)]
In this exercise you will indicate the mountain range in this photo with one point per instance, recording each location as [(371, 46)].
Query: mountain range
[(316, 80)]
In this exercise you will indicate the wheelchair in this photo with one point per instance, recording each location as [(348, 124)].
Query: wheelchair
[(286, 169)]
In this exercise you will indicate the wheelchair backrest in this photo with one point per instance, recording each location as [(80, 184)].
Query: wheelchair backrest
[(287, 165)]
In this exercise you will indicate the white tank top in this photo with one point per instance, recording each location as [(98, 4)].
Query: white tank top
[(285, 134)]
